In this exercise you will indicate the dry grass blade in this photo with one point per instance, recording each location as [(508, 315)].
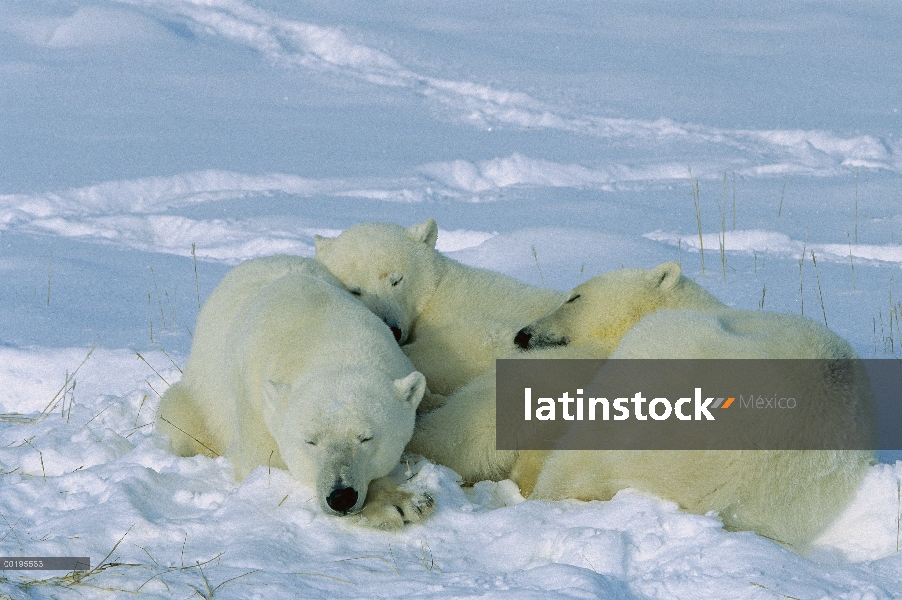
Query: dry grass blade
[(159, 395), (69, 378), (146, 552), (782, 196), (95, 416), (103, 564), (152, 369), (430, 565), (140, 408), (236, 577), (819, 291), (851, 262), (698, 218), (196, 282), (215, 453), (196, 565), (79, 577), (322, 575), (150, 317), (898, 512), (764, 587), (536, 258), (368, 556), (172, 361), (801, 269), (12, 529), (394, 562), (209, 593), (41, 456), (137, 429), (588, 562)]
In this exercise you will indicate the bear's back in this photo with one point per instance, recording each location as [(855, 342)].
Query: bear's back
[(232, 294), (730, 333), (301, 321)]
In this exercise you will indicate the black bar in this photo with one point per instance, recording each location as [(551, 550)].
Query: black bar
[(45, 563), (680, 404)]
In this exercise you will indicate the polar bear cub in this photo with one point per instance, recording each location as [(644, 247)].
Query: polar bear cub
[(452, 320), (788, 495), (288, 370), (658, 313)]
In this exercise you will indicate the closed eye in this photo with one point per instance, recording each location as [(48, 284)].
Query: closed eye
[(572, 299), (396, 279), (365, 439), (355, 291), (311, 442)]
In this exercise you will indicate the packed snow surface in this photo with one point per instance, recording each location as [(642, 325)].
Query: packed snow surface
[(146, 146)]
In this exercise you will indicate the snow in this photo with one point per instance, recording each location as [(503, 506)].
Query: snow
[(149, 145)]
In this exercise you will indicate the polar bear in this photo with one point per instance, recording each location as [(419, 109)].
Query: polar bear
[(287, 369), (452, 320), (648, 313), (787, 495), (603, 309), (460, 432)]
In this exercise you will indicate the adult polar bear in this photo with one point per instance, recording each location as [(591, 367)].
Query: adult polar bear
[(452, 320), (286, 369), (657, 313)]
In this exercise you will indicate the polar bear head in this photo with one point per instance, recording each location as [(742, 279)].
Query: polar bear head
[(603, 309), (393, 270), (338, 431)]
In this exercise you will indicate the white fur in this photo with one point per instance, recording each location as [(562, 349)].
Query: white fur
[(288, 370), (453, 320), (460, 433), (656, 313)]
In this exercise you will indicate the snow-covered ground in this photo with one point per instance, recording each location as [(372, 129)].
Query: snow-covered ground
[(148, 145)]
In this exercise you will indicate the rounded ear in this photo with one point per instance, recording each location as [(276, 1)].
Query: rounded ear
[(665, 276), (424, 233), (321, 243), (275, 399), (411, 388)]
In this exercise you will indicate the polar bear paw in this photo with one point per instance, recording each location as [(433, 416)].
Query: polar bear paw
[(388, 507)]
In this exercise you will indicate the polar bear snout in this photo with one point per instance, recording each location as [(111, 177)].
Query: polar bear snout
[(522, 338), (341, 500), (527, 339), (398, 329)]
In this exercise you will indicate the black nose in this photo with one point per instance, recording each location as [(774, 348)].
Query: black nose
[(396, 331), (342, 500), (522, 338)]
